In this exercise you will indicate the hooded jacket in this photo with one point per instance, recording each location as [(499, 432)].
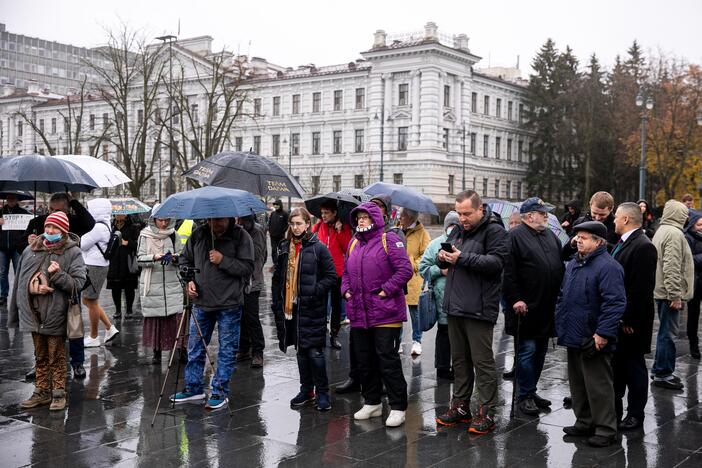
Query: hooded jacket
[(694, 240), (278, 224), (11, 240), (101, 211), (220, 287), (571, 218), (386, 200), (258, 237), (417, 241), (368, 270), (337, 242), (474, 283), (675, 270), (52, 308)]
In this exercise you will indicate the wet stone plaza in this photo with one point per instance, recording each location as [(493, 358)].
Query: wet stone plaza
[(108, 419)]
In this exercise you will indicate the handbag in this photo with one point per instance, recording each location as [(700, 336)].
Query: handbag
[(74, 320), (427, 306), (132, 264)]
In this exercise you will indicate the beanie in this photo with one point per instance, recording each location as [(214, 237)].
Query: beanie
[(58, 219)]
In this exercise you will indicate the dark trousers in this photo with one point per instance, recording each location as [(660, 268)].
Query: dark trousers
[(630, 372), (274, 248), (313, 370), (77, 351), (251, 330), (379, 363), (693, 318), (442, 346), (592, 390), (335, 296), (117, 299)]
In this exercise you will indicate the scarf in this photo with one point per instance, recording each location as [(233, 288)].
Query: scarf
[(155, 244), (291, 277)]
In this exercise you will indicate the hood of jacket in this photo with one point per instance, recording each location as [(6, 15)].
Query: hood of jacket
[(451, 219), (101, 210), (675, 214), (375, 214), (151, 224), (386, 200), (695, 216)]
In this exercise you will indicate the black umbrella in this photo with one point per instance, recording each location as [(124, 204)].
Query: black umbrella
[(43, 174), (344, 203), (246, 171), (20, 194)]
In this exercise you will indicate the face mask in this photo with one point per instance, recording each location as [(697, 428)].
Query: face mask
[(52, 237)]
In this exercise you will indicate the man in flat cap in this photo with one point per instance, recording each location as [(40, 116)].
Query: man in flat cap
[(591, 303)]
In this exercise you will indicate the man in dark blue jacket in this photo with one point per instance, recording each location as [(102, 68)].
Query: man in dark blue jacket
[(591, 303)]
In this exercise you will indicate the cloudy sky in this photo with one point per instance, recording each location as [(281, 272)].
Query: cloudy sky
[(327, 32)]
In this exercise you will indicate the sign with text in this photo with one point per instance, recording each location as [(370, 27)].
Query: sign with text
[(16, 222)]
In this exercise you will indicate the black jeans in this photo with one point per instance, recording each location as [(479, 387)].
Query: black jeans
[(629, 369), (378, 363), (77, 351), (251, 330), (313, 370), (335, 321), (442, 355), (693, 318), (274, 248), (117, 299)]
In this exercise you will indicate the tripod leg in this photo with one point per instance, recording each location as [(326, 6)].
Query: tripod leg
[(207, 353)]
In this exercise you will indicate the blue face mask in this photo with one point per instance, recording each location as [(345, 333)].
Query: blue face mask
[(52, 237)]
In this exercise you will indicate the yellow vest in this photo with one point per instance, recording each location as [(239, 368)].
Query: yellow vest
[(185, 230)]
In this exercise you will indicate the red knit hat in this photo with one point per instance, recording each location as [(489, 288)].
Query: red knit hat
[(58, 219)]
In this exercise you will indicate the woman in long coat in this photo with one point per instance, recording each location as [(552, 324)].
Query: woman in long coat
[(119, 276)]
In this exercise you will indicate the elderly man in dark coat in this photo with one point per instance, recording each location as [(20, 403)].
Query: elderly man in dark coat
[(590, 305), (532, 279), (638, 256)]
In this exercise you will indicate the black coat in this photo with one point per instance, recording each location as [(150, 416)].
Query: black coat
[(533, 274), (316, 276), (612, 236), (638, 257), (12, 240), (118, 275), (278, 224), (694, 239)]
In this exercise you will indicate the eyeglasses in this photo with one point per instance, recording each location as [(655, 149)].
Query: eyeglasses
[(362, 217)]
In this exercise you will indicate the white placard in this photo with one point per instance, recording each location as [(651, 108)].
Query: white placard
[(16, 222)]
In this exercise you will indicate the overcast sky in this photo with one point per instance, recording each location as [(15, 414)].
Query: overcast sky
[(327, 32)]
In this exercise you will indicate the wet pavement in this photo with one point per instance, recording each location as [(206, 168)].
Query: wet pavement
[(108, 420)]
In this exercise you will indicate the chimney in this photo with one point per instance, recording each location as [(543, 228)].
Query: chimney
[(461, 42), (379, 39), (430, 31), (33, 87), (8, 89)]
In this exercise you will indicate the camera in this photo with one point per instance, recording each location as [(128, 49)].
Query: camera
[(188, 273)]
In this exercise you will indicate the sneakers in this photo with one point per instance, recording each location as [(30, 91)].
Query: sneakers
[(528, 406), (345, 321), (416, 348), (482, 423), (58, 403), (458, 412), (186, 395), (323, 402), (38, 398), (396, 418), (302, 399), (216, 401), (89, 342), (368, 411), (111, 333)]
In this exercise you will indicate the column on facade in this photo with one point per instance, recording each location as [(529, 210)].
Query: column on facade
[(430, 108), (416, 93), (458, 109), (374, 96)]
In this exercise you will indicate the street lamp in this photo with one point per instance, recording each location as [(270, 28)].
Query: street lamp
[(463, 144), (170, 38), (641, 101)]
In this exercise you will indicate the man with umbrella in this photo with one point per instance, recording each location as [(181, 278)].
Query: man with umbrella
[(10, 243)]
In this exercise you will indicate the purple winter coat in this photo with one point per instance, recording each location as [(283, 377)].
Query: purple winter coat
[(368, 270)]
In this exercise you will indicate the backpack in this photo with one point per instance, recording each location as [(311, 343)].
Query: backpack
[(112, 244)]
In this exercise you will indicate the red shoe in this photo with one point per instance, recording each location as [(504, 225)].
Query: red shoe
[(458, 412), (482, 423)]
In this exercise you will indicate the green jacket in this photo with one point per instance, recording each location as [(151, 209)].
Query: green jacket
[(675, 270), (428, 267)]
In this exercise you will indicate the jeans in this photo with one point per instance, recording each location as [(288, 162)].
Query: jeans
[(251, 331), (664, 364), (416, 330), (228, 331), (313, 370), (530, 362), (7, 256)]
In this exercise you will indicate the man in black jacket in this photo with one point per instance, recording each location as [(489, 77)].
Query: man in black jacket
[(638, 256), (532, 280), (472, 303), (602, 210), (10, 243), (277, 227)]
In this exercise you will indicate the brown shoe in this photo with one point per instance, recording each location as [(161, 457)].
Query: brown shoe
[(58, 403), (38, 398), (257, 362)]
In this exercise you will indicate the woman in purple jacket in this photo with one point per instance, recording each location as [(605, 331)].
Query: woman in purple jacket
[(376, 270)]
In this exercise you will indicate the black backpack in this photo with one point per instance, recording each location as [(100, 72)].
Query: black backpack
[(112, 244)]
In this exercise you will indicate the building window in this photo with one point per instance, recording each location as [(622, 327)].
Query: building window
[(451, 184), (316, 136), (336, 183), (508, 195), (140, 115), (485, 186), (521, 113), (447, 96), (498, 108), (403, 92), (397, 178), (473, 138), (486, 145), (531, 151), (66, 125), (152, 186), (276, 145), (474, 103), (402, 138), (316, 184), (509, 149), (105, 120), (486, 105), (509, 110), (91, 122), (360, 98), (519, 191), (358, 141), (19, 128), (295, 143), (316, 102), (498, 147), (276, 105), (238, 143), (41, 125), (257, 144), (358, 181), (296, 104), (336, 141), (105, 152), (338, 97), (520, 150), (53, 125), (257, 107), (497, 188), (444, 144)]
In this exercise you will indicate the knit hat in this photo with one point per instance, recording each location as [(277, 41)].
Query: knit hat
[(451, 219), (58, 219)]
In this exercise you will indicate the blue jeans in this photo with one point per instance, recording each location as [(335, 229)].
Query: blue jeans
[(530, 362), (664, 364), (7, 256), (228, 331), (414, 316)]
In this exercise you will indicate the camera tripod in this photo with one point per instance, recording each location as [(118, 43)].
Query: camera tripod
[(183, 332)]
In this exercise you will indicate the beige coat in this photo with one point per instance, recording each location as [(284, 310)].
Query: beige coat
[(417, 241), (675, 270)]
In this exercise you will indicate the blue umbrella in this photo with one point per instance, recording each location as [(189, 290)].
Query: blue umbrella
[(210, 202), (404, 197), (44, 174)]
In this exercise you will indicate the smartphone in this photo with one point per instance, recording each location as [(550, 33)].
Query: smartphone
[(446, 247)]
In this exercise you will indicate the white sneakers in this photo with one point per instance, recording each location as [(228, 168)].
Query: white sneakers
[(368, 411), (416, 348), (112, 333), (396, 418), (89, 342)]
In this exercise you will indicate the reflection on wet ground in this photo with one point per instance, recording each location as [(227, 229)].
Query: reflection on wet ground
[(108, 420)]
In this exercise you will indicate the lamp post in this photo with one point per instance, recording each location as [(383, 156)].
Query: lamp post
[(463, 145), (170, 38), (382, 140), (289, 165), (646, 104), (699, 123)]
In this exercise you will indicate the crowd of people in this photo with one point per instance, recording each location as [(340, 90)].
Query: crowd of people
[(597, 294)]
